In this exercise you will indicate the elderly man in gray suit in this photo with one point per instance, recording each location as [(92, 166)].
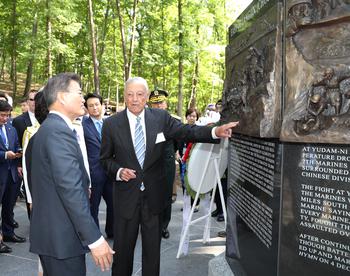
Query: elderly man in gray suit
[(62, 228)]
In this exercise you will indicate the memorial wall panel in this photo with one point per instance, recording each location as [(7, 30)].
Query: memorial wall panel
[(253, 204), (315, 230), (252, 92), (317, 72)]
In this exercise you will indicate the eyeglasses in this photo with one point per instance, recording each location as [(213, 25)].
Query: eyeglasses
[(79, 92), (3, 115)]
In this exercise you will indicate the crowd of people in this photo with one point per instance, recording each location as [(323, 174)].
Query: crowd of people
[(70, 156)]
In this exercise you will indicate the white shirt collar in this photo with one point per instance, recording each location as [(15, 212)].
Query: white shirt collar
[(133, 117), (32, 118), (96, 120), (132, 123), (65, 118)]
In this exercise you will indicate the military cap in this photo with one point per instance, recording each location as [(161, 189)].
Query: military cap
[(158, 96)]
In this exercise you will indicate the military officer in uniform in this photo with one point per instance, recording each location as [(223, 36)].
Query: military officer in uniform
[(158, 99)]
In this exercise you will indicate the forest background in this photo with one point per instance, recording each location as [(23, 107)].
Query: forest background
[(176, 45)]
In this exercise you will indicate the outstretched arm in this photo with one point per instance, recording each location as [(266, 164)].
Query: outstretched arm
[(225, 131)]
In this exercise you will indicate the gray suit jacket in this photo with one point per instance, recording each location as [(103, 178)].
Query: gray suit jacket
[(117, 151), (61, 224)]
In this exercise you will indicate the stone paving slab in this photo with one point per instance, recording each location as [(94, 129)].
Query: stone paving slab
[(22, 262)]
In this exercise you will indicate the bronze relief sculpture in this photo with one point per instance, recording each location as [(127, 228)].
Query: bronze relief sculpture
[(317, 94), (252, 92)]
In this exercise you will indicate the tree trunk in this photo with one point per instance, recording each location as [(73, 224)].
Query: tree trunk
[(115, 57), (48, 37), (122, 36), (2, 71), (31, 60), (60, 63), (132, 38), (181, 58), (140, 48), (13, 75), (104, 32), (195, 77), (93, 45), (164, 41), (192, 102)]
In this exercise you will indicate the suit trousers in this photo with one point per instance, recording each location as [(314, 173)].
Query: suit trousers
[(74, 266), (125, 237), (102, 189), (217, 195), (166, 217), (8, 203)]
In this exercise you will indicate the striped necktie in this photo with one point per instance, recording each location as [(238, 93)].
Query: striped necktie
[(140, 147)]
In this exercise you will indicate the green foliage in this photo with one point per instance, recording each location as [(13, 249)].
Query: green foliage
[(156, 50)]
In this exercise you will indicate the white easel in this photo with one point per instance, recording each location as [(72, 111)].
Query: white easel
[(206, 234)]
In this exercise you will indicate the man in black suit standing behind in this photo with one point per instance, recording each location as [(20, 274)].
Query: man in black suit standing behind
[(132, 153), (26, 119), (62, 228), (158, 99), (21, 123)]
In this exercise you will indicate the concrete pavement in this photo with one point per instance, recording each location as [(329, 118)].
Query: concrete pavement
[(22, 262)]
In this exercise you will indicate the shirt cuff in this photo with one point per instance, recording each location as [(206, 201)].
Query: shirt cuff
[(97, 243), (213, 133), (5, 154), (118, 175)]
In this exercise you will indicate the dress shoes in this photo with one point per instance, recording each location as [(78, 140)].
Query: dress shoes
[(220, 217), (4, 248), (14, 224), (165, 234), (215, 213), (222, 234), (13, 238)]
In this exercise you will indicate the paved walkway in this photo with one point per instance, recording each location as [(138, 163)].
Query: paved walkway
[(22, 262)]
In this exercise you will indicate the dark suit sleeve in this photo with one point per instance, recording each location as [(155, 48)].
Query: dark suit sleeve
[(18, 124), (107, 154), (62, 153), (176, 130), (16, 148)]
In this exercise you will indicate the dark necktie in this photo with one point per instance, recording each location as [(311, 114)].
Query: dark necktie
[(76, 135), (3, 136)]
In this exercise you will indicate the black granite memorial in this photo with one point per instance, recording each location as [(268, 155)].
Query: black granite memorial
[(289, 160), (252, 95), (315, 229), (253, 204)]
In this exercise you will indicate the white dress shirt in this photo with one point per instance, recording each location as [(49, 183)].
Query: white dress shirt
[(32, 118), (132, 122)]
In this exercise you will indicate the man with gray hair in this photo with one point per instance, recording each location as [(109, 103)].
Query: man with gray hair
[(132, 148), (62, 227)]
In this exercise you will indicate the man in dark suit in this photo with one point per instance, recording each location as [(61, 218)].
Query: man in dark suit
[(26, 119), (157, 99), (132, 153), (101, 184), (21, 123), (9, 158), (62, 228)]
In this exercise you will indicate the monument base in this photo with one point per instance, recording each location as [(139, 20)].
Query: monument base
[(222, 266)]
